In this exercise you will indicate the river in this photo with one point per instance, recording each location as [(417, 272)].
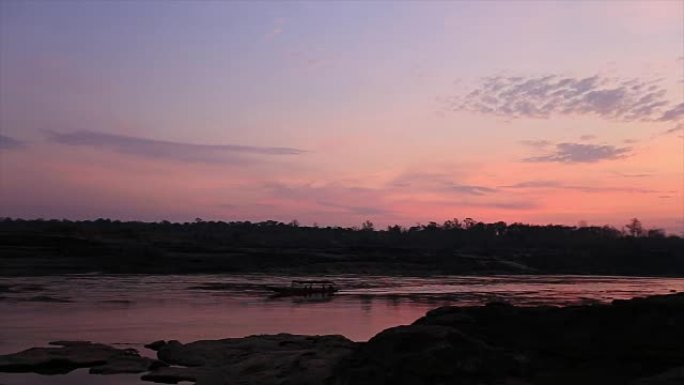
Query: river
[(132, 310)]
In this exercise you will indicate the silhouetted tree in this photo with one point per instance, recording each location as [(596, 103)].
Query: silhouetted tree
[(452, 224), (431, 226), (468, 223), (656, 233), (367, 226), (634, 228)]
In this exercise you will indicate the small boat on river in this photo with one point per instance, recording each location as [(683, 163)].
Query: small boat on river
[(305, 287)]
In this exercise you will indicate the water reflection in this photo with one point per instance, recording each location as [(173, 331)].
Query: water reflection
[(139, 309), (134, 310)]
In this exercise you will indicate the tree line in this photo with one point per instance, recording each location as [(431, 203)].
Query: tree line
[(455, 246)]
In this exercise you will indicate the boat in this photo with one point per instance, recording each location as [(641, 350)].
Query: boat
[(305, 287)]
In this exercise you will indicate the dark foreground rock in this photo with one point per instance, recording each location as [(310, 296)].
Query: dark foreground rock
[(70, 355), (256, 360), (638, 342), (426, 354)]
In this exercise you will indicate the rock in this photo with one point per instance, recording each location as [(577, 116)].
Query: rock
[(425, 354), (173, 375), (156, 345), (671, 377), (255, 360), (594, 344), (71, 355), (127, 364)]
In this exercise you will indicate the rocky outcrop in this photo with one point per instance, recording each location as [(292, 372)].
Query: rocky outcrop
[(425, 354), (501, 344), (256, 360), (670, 377), (70, 355)]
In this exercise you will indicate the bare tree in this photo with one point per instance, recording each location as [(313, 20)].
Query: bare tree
[(635, 228)]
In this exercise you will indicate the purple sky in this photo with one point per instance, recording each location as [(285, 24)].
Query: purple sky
[(338, 112)]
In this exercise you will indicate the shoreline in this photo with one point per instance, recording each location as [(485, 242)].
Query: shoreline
[(309, 274)]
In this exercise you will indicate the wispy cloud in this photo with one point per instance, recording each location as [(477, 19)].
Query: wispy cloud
[(8, 143), (537, 143), (332, 197), (535, 184), (674, 114), (355, 209), (581, 153), (676, 129), (469, 189), (543, 96), (518, 205), (502, 204), (438, 182), (642, 175), (388, 200), (557, 185), (152, 148)]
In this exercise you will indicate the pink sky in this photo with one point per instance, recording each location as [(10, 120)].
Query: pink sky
[(540, 112)]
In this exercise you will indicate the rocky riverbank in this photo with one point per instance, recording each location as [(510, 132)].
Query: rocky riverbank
[(637, 342)]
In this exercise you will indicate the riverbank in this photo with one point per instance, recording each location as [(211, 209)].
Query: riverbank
[(111, 247), (125, 259), (636, 341)]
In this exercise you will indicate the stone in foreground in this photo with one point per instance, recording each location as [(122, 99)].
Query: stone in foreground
[(66, 356), (637, 342), (256, 360)]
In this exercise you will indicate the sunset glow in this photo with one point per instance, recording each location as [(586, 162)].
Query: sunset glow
[(336, 113)]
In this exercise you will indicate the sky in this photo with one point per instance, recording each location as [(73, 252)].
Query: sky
[(339, 112)]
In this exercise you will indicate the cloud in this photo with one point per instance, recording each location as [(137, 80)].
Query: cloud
[(354, 209), (438, 182), (581, 153), (537, 143), (535, 184), (557, 185), (8, 143), (675, 129), (543, 96), (394, 199), (643, 175), (152, 148), (332, 196), (506, 204), (520, 205), (587, 137), (469, 189), (674, 114)]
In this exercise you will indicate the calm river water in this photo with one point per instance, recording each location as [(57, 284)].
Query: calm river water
[(130, 311)]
